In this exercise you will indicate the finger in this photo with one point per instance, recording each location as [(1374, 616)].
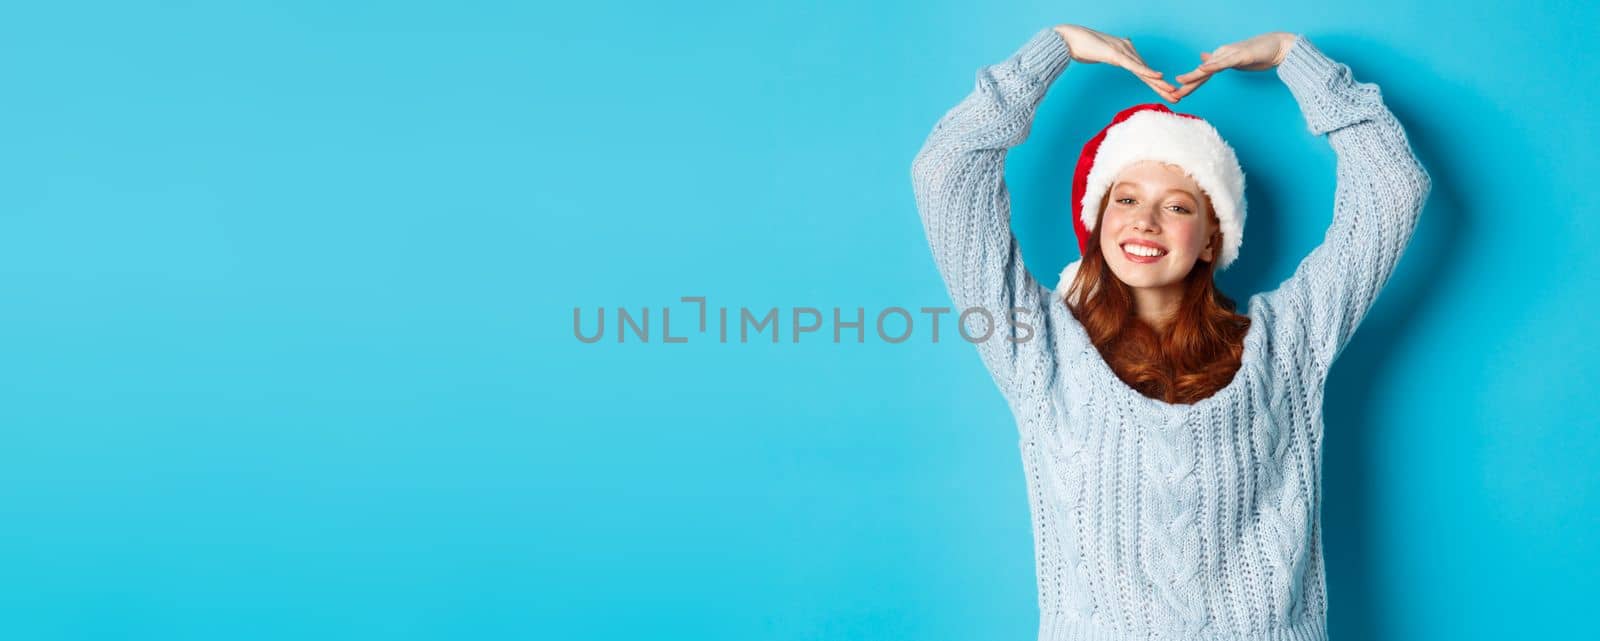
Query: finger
[(1204, 68), (1188, 88), (1200, 71), (1221, 61), (1146, 74), (1139, 67), (1132, 53), (1191, 76), (1137, 63), (1163, 91), (1160, 90), (1159, 83)]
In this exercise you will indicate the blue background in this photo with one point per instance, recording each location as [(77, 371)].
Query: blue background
[(287, 293)]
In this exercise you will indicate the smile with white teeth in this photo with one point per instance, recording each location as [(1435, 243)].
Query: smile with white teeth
[(1143, 250)]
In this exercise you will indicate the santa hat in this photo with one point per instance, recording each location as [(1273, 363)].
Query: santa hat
[(1151, 131)]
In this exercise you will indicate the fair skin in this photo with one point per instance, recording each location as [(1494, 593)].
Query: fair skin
[(1157, 203), (1157, 207)]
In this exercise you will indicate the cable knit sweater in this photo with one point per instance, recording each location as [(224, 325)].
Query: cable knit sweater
[(1154, 520)]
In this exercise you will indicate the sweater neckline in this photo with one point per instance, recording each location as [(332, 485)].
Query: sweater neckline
[(1247, 358)]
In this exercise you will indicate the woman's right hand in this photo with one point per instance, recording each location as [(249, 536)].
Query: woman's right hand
[(1088, 45)]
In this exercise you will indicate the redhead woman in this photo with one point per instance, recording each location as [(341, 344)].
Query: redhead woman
[(1172, 444)]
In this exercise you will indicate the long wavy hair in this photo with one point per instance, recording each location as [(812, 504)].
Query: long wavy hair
[(1195, 356)]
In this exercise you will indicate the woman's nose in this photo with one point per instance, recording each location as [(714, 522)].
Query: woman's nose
[(1142, 220)]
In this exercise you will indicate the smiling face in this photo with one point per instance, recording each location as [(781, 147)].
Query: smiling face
[(1156, 225)]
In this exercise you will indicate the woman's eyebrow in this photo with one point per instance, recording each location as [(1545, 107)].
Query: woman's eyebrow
[(1169, 190)]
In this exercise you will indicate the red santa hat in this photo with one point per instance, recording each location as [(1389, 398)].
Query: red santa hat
[(1151, 131)]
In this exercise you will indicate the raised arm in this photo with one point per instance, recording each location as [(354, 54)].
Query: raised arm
[(959, 181), (1380, 191)]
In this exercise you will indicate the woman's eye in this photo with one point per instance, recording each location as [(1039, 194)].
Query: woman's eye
[(1127, 200)]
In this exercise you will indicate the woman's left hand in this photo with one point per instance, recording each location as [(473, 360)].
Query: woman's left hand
[(1255, 54)]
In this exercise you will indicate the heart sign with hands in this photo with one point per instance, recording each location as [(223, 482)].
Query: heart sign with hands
[(1254, 54)]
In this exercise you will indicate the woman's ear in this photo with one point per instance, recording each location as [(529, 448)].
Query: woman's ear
[(1209, 254)]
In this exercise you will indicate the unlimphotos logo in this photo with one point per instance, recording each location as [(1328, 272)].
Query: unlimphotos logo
[(893, 324)]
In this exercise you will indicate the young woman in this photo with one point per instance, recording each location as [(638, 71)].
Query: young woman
[(1172, 447)]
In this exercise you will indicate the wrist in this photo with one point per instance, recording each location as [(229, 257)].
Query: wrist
[(1285, 43), (1061, 30)]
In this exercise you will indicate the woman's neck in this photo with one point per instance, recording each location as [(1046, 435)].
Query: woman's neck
[(1157, 306)]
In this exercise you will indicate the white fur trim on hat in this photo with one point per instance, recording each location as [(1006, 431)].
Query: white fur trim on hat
[(1067, 274), (1189, 143)]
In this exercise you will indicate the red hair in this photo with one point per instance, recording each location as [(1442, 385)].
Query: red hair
[(1198, 352)]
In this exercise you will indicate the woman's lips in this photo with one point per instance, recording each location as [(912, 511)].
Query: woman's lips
[(1144, 260)]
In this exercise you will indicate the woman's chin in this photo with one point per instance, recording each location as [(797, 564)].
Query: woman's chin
[(1143, 279), (1145, 275)]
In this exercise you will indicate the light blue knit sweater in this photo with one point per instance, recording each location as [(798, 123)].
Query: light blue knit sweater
[(1171, 521)]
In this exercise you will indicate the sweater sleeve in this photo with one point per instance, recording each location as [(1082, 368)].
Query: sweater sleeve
[(1379, 194), (961, 194)]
